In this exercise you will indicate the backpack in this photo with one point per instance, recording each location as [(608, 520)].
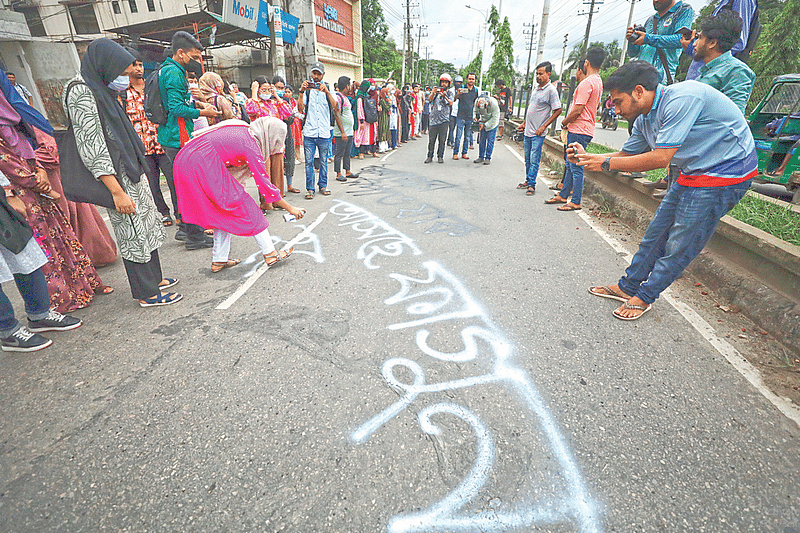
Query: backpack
[(370, 110), (752, 34), (153, 106)]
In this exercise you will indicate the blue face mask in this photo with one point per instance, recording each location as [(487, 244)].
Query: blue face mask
[(281, 92), (120, 83)]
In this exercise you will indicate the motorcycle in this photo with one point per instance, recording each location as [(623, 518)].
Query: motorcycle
[(610, 120)]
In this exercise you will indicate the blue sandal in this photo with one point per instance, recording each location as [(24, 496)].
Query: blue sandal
[(171, 282), (161, 299)]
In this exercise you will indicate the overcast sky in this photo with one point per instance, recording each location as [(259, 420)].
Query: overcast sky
[(452, 27)]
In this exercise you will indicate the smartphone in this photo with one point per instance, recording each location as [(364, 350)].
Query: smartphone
[(463, 90)]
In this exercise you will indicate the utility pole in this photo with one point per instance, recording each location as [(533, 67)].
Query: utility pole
[(563, 54), (542, 31), (419, 40), (530, 34), (276, 41), (427, 63), (403, 75), (625, 41), (591, 4)]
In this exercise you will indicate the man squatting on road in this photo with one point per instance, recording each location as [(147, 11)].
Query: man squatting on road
[(702, 132)]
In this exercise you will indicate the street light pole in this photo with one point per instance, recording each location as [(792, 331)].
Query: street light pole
[(624, 41), (485, 31)]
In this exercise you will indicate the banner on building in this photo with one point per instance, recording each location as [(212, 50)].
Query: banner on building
[(254, 15)]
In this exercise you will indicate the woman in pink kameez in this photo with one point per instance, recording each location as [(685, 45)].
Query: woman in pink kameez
[(210, 196)]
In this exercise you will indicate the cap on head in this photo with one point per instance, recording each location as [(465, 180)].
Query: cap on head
[(319, 67)]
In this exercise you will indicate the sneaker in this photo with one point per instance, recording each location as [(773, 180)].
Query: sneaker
[(479, 160), (54, 321), (23, 340), (181, 235), (487, 161), (441, 160), (429, 159)]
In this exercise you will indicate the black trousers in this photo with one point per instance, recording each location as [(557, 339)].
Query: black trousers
[(144, 277), (425, 122), (194, 231), (156, 164), (438, 131), (288, 157), (341, 154), (404, 126)]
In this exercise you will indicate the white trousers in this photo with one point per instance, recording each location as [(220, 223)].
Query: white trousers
[(222, 245)]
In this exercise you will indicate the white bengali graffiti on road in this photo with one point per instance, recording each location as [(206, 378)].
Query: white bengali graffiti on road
[(439, 297)]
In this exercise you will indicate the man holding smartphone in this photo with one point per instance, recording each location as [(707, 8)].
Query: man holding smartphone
[(465, 97), (441, 101)]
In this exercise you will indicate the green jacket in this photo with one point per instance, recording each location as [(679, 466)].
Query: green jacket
[(176, 100), (489, 115)]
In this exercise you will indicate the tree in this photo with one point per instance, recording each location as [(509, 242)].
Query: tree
[(432, 69), (380, 52), (778, 49), (473, 66), (613, 52), (502, 65)]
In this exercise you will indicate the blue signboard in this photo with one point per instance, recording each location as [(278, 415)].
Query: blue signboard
[(290, 23)]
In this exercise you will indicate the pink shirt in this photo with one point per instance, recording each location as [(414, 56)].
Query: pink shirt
[(588, 94)]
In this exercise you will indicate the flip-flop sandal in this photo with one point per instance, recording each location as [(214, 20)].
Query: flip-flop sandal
[(341, 178), (104, 289), (161, 299), (166, 220), (556, 200), (555, 187), (277, 256), (522, 186), (569, 208), (171, 282), (351, 176), (626, 305), (292, 189), (309, 195), (531, 191), (324, 192), (218, 266), (609, 293)]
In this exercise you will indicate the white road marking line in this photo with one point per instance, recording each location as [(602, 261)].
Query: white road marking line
[(238, 293), (539, 177), (742, 365), (384, 158)]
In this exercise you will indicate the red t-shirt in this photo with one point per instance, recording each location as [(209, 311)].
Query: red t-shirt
[(588, 93)]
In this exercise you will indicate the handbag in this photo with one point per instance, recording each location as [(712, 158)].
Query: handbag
[(79, 184), (14, 229)]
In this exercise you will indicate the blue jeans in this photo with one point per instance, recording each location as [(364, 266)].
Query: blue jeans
[(33, 288), (533, 154), (310, 144), (463, 125), (682, 226), (486, 143), (573, 175), (393, 144)]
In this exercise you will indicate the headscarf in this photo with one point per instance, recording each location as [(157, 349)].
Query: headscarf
[(363, 89), (209, 84), (270, 135), (103, 62), (27, 113), (11, 132)]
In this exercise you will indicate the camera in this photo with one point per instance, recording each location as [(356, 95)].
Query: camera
[(636, 27), (313, 84)]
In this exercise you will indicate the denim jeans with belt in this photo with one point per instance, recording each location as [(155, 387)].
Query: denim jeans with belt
[(486, 143), (573, 174), (682, 226), (463, 125), (533, 155), (322, 146)]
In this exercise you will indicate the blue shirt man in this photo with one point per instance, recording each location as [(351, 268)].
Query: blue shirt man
[(706, 136), (663, 31)]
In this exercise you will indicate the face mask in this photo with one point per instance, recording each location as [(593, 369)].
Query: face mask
[(371, 87), (264, 96), (194, 85), (120, 83), (281, 93), (194, 66)]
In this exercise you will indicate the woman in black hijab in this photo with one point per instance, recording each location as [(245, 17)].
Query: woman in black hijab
[(112, 151)]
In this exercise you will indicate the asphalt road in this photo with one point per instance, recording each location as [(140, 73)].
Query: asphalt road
[(428, 360)]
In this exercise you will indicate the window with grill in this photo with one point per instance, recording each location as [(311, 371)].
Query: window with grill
[(134, 7), (115, 7), (83, 18), (151, 5), (33, 19)]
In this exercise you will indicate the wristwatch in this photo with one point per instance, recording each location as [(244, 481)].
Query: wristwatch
[(606, 165)]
